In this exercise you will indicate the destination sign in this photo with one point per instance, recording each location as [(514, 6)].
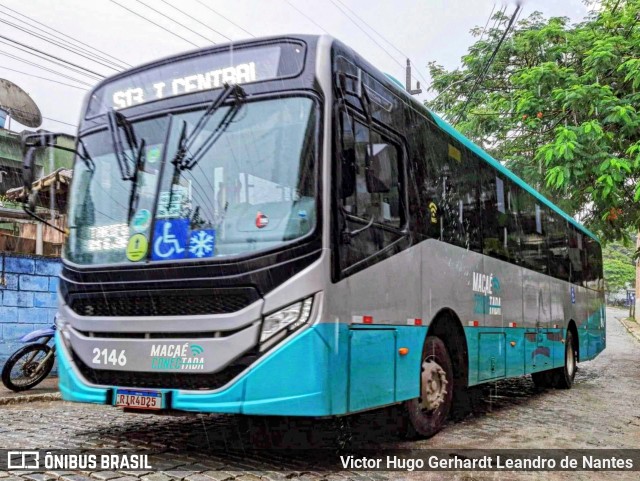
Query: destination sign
[(203, 72)]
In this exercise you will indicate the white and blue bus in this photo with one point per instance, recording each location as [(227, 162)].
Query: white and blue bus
[(275, 227)]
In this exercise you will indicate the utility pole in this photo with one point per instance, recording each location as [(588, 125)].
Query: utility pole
[(407, 84)]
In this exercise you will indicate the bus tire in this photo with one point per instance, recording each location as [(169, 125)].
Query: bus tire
[(565, 375), (428, 413)]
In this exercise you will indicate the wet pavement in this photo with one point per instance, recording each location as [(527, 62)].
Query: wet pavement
[(601, 411), (48, 386)]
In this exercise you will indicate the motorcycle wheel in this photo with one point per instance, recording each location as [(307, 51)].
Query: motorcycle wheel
[(23, 369)]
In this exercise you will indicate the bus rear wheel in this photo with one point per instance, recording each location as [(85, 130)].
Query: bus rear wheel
[(428, 413), (565, 375)]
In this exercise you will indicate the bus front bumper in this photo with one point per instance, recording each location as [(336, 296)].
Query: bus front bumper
[(292, 380)]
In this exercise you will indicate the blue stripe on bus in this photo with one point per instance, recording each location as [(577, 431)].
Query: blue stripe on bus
[(334, 369), (307, 376), (71, 386)]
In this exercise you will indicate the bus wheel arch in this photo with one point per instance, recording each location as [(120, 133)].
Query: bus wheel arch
[(447, 326)]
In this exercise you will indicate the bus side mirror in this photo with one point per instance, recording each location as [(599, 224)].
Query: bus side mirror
[(29, 168), (31, 142), (379, 176)]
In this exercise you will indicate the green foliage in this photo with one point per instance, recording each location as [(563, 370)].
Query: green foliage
[(619, 266), (558, 106)]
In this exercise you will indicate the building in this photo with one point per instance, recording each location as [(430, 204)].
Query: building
[(29, 250)]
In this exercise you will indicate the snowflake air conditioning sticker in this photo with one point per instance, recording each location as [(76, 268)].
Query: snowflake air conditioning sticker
[(202, 243)]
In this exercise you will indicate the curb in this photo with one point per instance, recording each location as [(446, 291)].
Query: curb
[(632, 327), (51, 396)]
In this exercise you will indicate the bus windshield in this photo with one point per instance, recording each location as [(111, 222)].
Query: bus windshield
[(253, 189)]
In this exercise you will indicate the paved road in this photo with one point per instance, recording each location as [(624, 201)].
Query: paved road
[(601, 411)]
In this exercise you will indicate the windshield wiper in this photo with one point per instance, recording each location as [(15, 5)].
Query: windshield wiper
[(184, 159), (117, 122)]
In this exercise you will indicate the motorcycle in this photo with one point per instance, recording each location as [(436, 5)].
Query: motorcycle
[(30, 364)]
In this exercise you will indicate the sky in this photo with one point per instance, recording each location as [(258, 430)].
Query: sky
[(424, 30)]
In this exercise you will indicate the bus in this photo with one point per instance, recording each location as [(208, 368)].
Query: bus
[(275, 227)]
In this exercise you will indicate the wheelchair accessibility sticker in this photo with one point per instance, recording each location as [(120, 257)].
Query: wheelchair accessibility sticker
[(170, 239)]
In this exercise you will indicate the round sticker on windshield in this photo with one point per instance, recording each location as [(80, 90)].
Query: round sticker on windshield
[(153, 155), (137, 247), (141, 220)]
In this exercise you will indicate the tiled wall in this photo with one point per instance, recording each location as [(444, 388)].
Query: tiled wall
[(29, 299)]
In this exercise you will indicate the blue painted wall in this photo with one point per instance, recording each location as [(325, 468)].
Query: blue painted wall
[(28, 298)]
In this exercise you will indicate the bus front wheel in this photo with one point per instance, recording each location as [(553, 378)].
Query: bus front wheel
[(428, 413)]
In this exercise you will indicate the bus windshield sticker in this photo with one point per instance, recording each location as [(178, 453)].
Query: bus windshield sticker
[(141, 220), (153, 154), (107, 237), (170, 239), (179, 200), (137, 247), (202, 243)]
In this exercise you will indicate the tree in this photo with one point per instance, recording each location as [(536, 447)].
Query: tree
[(558, 106), (619, 266)]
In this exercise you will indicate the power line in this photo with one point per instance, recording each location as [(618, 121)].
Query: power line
[(41, 67), (44, 57), (196, 20), (51, 56), (176, 22), (51, 37), (59, 121), (367, 34), (42, 78), (306, 16), (480, 78), (54, 42), (381, 36), (226, 18), (117, 60), (484, 30), (156, 24)]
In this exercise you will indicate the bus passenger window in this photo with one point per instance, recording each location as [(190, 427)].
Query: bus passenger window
[(371, 199), (370, 202)]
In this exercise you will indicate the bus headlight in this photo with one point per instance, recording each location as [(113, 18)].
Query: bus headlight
[(289, 318)]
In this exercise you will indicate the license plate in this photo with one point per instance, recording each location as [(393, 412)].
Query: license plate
[(136, 399)]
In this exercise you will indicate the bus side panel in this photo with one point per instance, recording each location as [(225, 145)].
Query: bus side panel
[(447, 276), (378, 373), (507, 293)]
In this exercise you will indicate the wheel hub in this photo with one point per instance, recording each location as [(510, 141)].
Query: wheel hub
[(30, 369), (434, 385)]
